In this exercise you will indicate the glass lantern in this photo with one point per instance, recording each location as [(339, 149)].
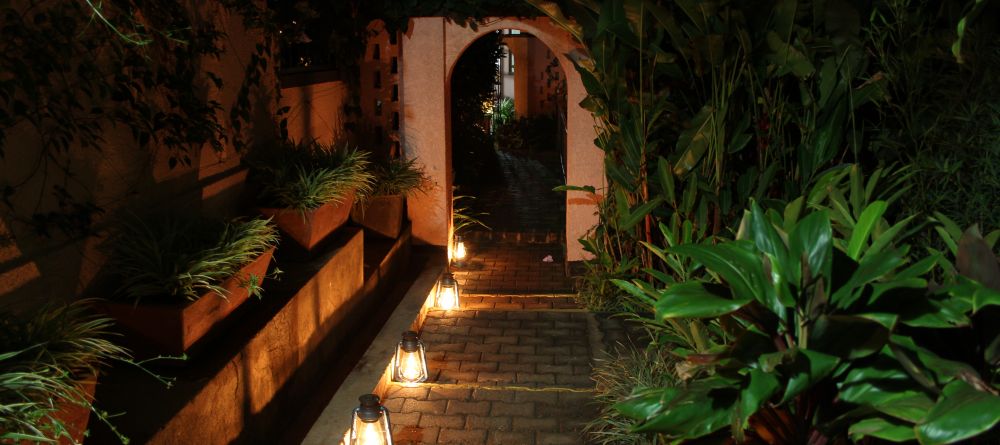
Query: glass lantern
[(447, 292), (410, 364), (459, 253), (370, 423)]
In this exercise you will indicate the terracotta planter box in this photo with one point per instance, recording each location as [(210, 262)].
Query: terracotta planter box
[(310, 228), (382, 215), (74, 417), (173, 328)]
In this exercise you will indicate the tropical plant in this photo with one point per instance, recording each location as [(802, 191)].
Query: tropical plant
[(625, 368), (307, 175), (502, 113), (397, 177), (464, 217), (46, 356), (171, 258), (828, 341), (701, 105)]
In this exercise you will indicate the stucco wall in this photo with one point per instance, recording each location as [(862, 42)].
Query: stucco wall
[(430, 49), (316, 111), (119, 178)]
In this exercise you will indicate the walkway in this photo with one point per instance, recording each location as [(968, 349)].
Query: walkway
[(504, 368)]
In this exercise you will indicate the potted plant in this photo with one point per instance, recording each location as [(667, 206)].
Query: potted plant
[(49, 360), (381, 209), (179, 277), (308, 188)]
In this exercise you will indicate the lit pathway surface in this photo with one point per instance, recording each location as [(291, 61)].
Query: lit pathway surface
[(504, 369), (514, 268)]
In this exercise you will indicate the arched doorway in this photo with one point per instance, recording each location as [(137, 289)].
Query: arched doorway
[(430, 51), (508, 132)]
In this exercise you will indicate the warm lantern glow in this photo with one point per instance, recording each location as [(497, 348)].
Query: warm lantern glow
[(460, 252), (370, 423), (447, 293), (410, 365)]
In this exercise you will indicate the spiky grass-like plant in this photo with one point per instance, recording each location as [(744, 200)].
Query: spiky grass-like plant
[(463, 217), (174, 258), (617, 375), (45, 357), (306, 175), (397, 177)]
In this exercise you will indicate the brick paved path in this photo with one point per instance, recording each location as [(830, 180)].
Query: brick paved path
[(502, 267), (504, 369)]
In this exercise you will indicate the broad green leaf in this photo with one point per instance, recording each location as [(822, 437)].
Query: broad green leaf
[(862, 230), (885, 386), (847, 336), (871, 268), (788, 58), (635, 290), (694, 141), (701, 408), (694, 299), (638, 213), (760, 387), (736, 262), (807, 368), (961, 412), (811, 239), (666, 180), (887, 237), (885, 429)]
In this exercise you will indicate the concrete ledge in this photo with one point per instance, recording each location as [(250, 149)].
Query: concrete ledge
[(246, 385), (371, 372)]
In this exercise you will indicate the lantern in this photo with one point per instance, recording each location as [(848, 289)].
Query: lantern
[(370, 423), (410, 364), (447, 292), (460, 253)]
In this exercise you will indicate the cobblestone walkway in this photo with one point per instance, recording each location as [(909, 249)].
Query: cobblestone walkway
[(504, 369)]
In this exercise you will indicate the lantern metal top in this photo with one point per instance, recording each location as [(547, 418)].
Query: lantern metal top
[(411, 341), (370, 409), (448, 279)]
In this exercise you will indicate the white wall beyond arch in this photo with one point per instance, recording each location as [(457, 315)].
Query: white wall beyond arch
[(430, 49)]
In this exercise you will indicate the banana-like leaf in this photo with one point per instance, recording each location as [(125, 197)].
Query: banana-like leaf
[(695, 140)]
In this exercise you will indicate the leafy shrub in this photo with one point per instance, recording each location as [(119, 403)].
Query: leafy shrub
[(306, 175), (397, 177), (628, 367), (829, 340), (45, 356), (173, 258)]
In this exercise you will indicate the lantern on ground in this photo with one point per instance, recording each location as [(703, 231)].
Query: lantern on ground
[(370, 423), (410, 364), (459, 253), (447, 292)]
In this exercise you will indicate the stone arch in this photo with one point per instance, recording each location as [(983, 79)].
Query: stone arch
[(431, 49)]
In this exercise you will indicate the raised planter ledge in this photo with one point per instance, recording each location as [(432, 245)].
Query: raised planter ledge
[(267, 363), (371, 373)]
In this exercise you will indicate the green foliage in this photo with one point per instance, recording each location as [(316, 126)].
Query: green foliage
[(703, 106), (628, 367), (502, 113), (170, 258), (397, 177), (828, 339), (45, 358), (73, 70), (463, 217), (944, 117), (306, 175)]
